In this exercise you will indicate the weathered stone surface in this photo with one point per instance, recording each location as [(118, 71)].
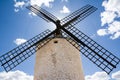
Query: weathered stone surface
[(58, 60)]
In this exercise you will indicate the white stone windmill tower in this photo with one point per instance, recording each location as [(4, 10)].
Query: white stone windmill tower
[(57, 52)]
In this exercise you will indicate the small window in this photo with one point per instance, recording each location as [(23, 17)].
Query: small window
[(55, 41)]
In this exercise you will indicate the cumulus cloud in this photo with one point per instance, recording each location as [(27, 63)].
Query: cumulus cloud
[(19, 41), (98, 76), (16, 10), (110, 19), (15, 75), (47, 3), (116, 75), (32, 14), (102, 32), (65, 10), (20, 75), (107, 17), (18, 5), (103, 76)]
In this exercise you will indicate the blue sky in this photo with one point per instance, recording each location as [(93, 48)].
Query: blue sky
[(18, 24)]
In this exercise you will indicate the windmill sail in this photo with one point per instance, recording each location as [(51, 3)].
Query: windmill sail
[(16, 56), (43, 13), (92, 50), (78, 15), (89, 48)]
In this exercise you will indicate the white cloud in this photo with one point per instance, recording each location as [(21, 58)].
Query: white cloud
[(116, 75), (115, 36), (18, 5), (98, 76), (19, 41), (16, 10), (65, 10), (47, 3), (15, 75), (20, 75), (32, 14), (103, 76), (107, 17), (102, 32), (113, 29), (110, 19)]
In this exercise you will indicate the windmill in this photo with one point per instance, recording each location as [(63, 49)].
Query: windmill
[(64, 37)]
